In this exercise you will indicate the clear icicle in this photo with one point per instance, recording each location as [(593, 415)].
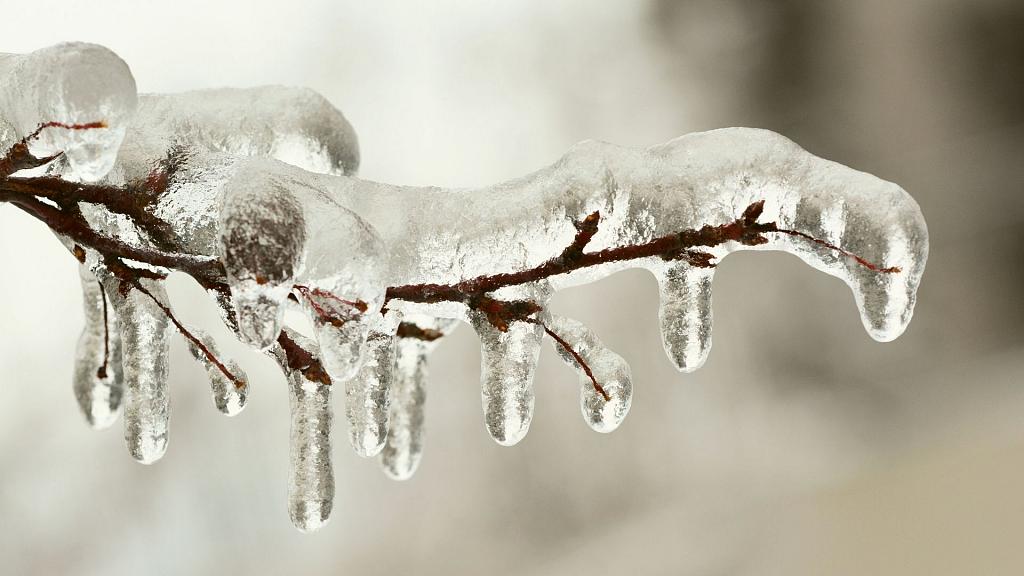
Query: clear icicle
[(228, 395), (367, 396), (341, 346), (311, 477), (404, 446), (72, 83), (145, 337), (608, 368), (685, 313), (98, 382), (508, 361)]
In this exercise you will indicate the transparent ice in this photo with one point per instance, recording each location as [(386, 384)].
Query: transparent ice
[(262, 181)]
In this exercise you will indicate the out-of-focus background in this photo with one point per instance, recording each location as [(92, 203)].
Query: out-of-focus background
[(801, 447)]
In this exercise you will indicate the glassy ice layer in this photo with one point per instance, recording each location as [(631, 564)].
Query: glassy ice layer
[(98, 383), (72, 83), (230, 390)]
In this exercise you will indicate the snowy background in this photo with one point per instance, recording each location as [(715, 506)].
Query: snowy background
[(802, 446)]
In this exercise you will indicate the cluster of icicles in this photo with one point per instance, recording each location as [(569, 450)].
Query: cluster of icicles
[(262, 180)]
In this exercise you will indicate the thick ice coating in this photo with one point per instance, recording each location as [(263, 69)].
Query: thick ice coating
[(368, 395), (71, 84), (508, 361), (230, 390)]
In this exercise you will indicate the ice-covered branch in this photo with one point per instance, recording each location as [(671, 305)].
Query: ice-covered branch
[(140, 187)]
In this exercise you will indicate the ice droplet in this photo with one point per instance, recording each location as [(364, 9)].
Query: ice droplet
[(228, 395), (98, 383), (145, 337), (404, 446), (608, 368), (508, 361), (311, 481), (685, 313), (367, 396), (71, 83)]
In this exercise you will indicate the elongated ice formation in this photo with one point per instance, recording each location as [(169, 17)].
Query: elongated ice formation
[(368, 395), (98, 383), (404, 445), (508, 361), (311, 478), (70, 84), (685, 312), (231, 389), (145, 337), (605, 367)]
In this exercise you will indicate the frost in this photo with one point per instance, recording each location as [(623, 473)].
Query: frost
[(252, 193)]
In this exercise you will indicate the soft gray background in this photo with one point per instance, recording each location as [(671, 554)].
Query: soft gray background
[(802, 447)]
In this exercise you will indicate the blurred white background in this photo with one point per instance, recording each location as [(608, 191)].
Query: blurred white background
[(802, 446)]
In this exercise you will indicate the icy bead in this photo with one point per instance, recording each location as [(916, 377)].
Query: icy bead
[(508, 361), (73, 83), (404, 446), (685, 313), (607, 368), (341, 345), (98, 382), (145, 336), (229, 392), (367, 396)]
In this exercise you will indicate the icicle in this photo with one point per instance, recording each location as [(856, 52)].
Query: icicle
[(508, 361), (404, 446), (145, 335), (228, 395), (341, 346), (608, 368), (98, 382), (367, 396), (685, 313), (311, 482)]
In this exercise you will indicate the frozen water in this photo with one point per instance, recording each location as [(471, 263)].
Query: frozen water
[(508, 361), (229, 395), (608, 368), (404, 445), (145, 337), (368, 395), (98, 383), (311, 477), (73, 83)]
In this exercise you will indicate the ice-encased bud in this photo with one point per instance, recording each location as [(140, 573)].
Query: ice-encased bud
[(311, 475), (685, 313), (608, 368), (404, 446), (508, 361), (98, 381), (262, 238), (368, 396), (72, 83), (228, 395), (145, 337)]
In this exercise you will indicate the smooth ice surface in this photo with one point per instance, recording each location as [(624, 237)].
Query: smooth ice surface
[(145, 338), (98, 382), (403, 448), (311, 477), (608, 368), (228, 397), (508, 361), (368, 396), (72, 83)]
